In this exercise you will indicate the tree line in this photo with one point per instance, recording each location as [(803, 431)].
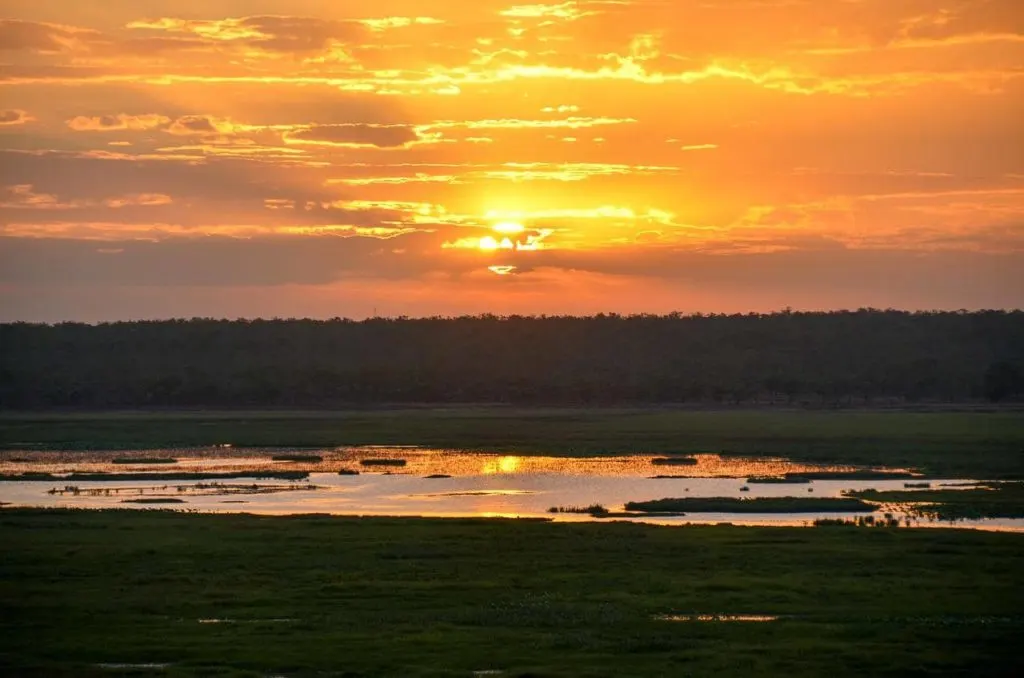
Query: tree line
[(849, 357)]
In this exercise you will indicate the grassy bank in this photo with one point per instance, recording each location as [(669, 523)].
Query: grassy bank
[(212, 475), (759, 505), (312, 596), (996, 500), (949, 444)]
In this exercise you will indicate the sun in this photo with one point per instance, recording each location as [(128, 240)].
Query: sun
[(509, 228), (502, 240)]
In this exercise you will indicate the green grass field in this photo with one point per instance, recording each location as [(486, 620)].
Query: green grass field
[(951, 444), (321, 596)]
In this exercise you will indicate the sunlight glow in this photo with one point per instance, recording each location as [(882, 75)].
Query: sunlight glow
[(502, 465), (509, 227)]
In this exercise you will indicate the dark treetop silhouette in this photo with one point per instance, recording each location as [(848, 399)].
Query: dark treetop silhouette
[(864, 356)]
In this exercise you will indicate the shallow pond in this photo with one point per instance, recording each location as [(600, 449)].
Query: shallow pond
[(396, 482)]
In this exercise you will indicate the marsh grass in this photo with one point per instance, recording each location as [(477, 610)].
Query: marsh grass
[(942, 444), (233, 475), (143, 460), (298, 458), (674, 461), (778, 480), (596, 510), (754, 505), (988, 500), (383, 462), (888, 520), (443, 598), (860, 474)]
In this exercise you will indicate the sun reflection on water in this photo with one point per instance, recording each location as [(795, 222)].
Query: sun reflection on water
[(502, 465)]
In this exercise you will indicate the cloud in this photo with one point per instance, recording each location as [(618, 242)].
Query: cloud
[(14, 116), (359, 136), (120, 121), (566, 10), (25, 197), (43, 38), (196, 124), (284, 34)]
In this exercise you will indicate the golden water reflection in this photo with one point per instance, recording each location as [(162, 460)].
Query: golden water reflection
[(501, 465), (417, 461), (411, 481)]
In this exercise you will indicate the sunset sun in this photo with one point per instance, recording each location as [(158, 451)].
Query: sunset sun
[(503, 237)]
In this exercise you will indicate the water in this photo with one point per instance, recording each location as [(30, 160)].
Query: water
[(480, 485)]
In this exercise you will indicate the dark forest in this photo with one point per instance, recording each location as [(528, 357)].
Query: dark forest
[(864, 357)]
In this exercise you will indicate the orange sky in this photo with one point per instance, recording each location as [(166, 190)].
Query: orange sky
[(335, 158)]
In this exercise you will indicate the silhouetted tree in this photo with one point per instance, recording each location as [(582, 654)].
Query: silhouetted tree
[(830, 359)]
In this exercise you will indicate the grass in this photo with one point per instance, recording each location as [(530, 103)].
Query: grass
[(299, 458), (992, 500), (144, 460), (862, 474), (435, 598), (383, 462), (596, 510), (779, 480), (231, 475), (948, 444), (808, 476), (674, 461), (758, 505)]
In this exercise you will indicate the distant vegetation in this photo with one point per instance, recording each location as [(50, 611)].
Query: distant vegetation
[(989, 500), (759, 505), (674, 461), (807, 476), (861, 357), (595, 510), (143, 460), (232, 475), (298, 458), (778, 480)]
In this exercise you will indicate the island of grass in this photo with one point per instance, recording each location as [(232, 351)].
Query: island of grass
[(596, 510), (232, 475), (778, 480), (756, 505), (988, 500), (383, 462), (144, 460), (154, 500), (298, 458), (807, 476), (674, 461)]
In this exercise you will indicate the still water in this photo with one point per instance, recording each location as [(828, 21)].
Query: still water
[(397, 482)]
